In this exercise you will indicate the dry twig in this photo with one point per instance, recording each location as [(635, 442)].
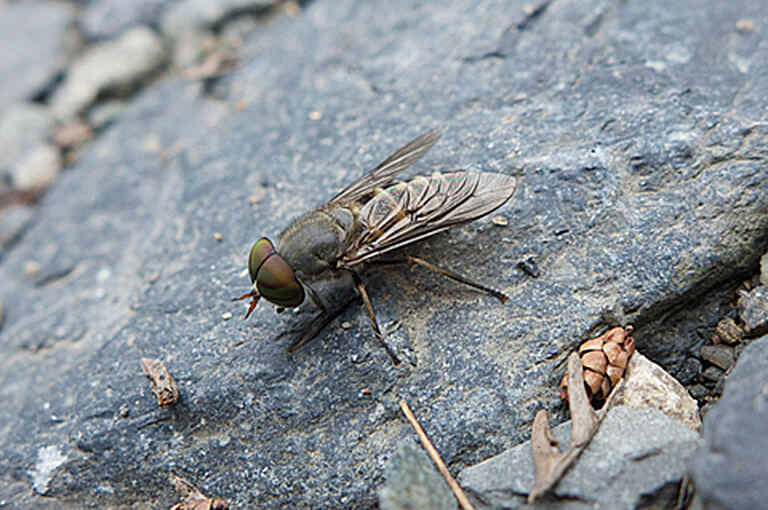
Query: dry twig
[(455, 487), (549, 461)]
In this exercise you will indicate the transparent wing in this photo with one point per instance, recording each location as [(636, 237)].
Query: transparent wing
[(410, 211), (387, 170)]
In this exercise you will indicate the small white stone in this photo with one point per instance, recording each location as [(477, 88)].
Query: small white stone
[(37, 170), (48, 459), (648, 386)]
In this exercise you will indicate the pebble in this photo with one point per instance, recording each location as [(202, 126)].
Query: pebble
[(31, 267), (764, 269), (698, 391), (689, 371), (728, 332), (23, 128), (753, 310), (649, 386), (712, 374), (718, 355), (500, 221), (226, 316), (113, 65), (72, 134), (258, 195), (745, 25), (37, 170)]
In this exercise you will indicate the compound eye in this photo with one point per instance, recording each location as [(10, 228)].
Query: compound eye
[(277, 283), (261, 249)]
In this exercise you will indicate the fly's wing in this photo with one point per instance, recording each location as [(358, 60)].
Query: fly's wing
[(386, 171), (410, 211)]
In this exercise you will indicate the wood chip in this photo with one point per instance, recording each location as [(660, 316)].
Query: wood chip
[(161, 381), (193, 498)]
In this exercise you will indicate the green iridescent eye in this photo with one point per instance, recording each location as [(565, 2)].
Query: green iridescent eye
[(261, 249), (277, 283)]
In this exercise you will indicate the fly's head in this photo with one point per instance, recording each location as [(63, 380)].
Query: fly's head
[(272, 278)]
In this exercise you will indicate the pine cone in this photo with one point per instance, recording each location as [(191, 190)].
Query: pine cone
[(604, 359)]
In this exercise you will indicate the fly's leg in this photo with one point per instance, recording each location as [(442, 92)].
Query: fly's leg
[(311, 332), (372, 316), (450, 274)]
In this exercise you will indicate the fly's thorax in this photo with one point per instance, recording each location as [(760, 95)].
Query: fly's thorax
[(313, 243)]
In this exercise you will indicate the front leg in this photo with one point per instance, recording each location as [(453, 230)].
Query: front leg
[(318, 323)]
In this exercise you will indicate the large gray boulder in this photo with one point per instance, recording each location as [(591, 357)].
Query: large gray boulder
[(731, 466), (639, 133)]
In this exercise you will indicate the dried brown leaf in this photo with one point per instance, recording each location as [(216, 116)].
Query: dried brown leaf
[(549, 461), (193, 498)]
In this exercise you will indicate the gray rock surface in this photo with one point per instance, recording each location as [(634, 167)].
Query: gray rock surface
[(413, 482), (731, 467), (195, 15), (107, 19), (632, 460), (115, 67), (34, 47), (639, 135), (13, 220)]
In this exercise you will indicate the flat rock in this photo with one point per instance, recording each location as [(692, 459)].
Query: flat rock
[(648, 386), (413, 481), (635, 455), (731, 466), (719, 355), (618, 118), (195, 15), (108, 19), (113, 66), (34, 47), (753, 310)]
